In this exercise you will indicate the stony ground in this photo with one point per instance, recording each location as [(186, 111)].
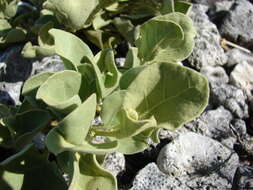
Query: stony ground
[(215, 151)]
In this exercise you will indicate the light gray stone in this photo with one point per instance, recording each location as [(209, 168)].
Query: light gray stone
[(47, 64), (216, 75), (190, 162), (232, 98), (10, 92), (242, 77), (224, 5), (207, 51), (214, 124), (238, 24), (235, 56), (200, 158), (115, 163)]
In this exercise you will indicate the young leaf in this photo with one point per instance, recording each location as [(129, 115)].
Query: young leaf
[(166, 38)]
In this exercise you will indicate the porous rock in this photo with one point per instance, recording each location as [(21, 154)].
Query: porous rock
[(47, 64), (114, 162), (231, 97), (235, 56), (242, 77), (238, 24), (189, 162), (10, 92), (207, 51), (216, 75)]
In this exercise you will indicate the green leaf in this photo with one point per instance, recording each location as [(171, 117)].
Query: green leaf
[(24, 126), (132, 59), (72, 130), (166, 38), (75, 15), (60, 91), (27, 169), (89, 175), (32, 84), (173, 94), (70, 47)]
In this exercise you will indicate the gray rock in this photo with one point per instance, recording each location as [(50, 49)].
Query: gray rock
[(190, 162), (231, 98), (238, 24), (243, 178), (15, 68), (115, 163), (207, 51), (236, 56), (223, 5), (120, 62), (209, 3), (214, 124), (48, 64), (201, 159), (10, 92), (216, 75), (242, 77), (151, 178)]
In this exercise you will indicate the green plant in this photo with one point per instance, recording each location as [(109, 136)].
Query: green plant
[(152, 91)]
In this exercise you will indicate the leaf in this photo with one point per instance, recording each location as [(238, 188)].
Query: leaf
[(166, 38), (126, 29), (24, 126), (89, 175), (120, 122), (72, 130), (32, 84), (70, 47), (173, 94), (27, 169), (132, 59), (75, 15), (60, 91)]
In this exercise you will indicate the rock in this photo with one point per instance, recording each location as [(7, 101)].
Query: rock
[(120, 62), (209, 3), (231, 98), (243, 178), (48, 64), (238, 24), (214, 124), (190, 162), (207, 51), (115, 163), (16, 68), (242, 77), (223, 5), (236, 56), (216, 75), (201, 159), (10, 92)]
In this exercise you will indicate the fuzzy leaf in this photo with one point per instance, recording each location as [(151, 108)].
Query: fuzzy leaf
[(173, 94), (70, 47), (27, 169), (32, 84), (60, 91), (166, 38), (72, 130), (89, 175), (75, 15)]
